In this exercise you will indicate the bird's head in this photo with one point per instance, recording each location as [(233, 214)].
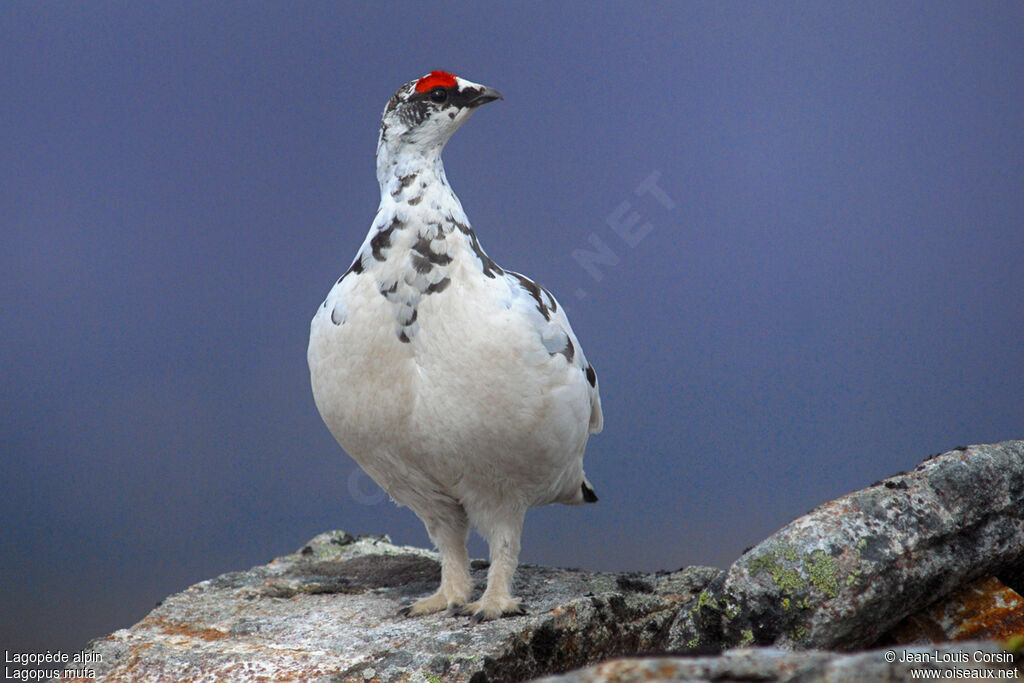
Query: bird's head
[(424, 113)]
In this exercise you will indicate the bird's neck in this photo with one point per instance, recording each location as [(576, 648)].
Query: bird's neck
[(419, 236), (397, 160), (413, 187), (421, 229)]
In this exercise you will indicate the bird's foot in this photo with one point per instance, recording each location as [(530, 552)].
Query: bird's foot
[(437, 602), (488, 607)]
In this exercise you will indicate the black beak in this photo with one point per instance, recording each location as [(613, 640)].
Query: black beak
[(486, 95)]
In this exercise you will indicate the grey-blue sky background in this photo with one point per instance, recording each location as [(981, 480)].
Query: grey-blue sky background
[(836, 293)]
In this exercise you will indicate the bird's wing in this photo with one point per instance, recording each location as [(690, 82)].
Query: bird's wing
[(543, 311)]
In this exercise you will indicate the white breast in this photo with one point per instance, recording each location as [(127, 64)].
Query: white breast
[(474, 401)]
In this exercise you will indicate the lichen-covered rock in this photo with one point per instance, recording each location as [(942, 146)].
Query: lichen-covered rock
[(838, 578), (968, 660), (844, 574), (984, 609), (329, 612)]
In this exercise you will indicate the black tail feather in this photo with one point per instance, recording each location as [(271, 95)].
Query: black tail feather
[(588, 493)]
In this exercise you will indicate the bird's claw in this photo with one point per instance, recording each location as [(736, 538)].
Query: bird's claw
[(479, 612)]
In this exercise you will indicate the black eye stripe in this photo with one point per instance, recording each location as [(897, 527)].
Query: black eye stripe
[(453, 96)]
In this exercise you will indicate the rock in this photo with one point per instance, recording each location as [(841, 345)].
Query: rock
[(838, 578), (329, 611), (961, 661), (985, 608), (848, 571)]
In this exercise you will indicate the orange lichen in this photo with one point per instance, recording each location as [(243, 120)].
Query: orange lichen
[(984, 609), (173, 629)]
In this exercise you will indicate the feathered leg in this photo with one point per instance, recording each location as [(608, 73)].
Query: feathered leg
[(448, 528), (502, 534)]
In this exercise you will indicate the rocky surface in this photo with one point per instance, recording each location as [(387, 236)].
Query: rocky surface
[(968, 660), (839, 578), (329, 611), (984, 609), (848, 571)]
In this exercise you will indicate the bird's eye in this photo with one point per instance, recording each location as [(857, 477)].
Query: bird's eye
[(438, 95)]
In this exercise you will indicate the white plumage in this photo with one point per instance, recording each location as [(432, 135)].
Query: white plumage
[(458, 386)]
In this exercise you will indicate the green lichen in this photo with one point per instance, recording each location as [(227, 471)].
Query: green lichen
[(746, 637), (693, 642), (822, 572), (786, 579), (819, 569), (705, 599), (601, 585), (433, 678), (853, 577)]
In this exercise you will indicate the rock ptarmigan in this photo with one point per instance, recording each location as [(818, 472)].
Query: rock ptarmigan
[(457, 385)]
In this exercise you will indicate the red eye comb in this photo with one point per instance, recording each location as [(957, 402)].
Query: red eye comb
[(434, 80)]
